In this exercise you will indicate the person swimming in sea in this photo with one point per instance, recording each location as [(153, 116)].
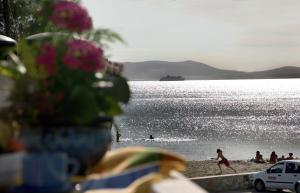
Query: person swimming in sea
[(151, 137), (223, 161), (118, 135)]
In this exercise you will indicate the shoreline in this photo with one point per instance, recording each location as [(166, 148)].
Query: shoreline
[(210, 167)]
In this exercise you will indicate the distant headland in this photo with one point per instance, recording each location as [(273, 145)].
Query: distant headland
[(191, 70), (171, 78)]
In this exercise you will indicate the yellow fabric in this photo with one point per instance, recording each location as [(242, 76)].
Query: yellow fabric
[(120, 160)]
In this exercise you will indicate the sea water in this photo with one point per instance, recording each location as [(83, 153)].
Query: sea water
[(194, 118)]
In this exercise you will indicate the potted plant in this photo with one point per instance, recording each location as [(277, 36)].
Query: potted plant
[(64, 90)]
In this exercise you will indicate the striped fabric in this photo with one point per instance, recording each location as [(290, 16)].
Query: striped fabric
[(131, 170)]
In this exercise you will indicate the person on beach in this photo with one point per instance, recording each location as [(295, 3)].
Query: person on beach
[(118, 135), (223, 161), (282, 158), (290, 156), (259, 158), (273, 158)]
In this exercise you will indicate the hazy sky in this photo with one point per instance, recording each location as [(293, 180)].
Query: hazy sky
[(231, 34)]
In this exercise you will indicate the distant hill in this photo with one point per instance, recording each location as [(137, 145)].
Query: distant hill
[(283, 72), (191, 70)]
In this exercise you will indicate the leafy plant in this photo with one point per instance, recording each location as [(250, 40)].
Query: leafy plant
[(63, 77)]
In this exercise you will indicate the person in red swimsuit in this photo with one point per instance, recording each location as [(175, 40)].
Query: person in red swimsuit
[(223, 161), (273, 158)]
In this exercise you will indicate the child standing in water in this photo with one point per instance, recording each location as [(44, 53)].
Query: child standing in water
[(223, 161)]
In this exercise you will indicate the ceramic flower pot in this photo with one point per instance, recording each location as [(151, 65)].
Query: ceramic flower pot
[(86, 145)]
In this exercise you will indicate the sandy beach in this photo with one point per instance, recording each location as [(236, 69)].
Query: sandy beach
[(209, 167)]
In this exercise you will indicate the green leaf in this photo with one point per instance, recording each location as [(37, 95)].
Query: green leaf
[(120, 90), (9, 72), (109, 106), (102, 35), (82, 105), (29, 53)]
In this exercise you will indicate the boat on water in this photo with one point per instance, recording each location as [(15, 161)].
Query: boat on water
[(172, 78)]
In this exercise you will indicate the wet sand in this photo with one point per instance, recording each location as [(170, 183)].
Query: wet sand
[(210, 167)]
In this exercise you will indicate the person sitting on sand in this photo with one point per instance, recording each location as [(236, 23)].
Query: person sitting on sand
[(290, 156), (281, 158), (273, 158), (259, 158), (223, 161)]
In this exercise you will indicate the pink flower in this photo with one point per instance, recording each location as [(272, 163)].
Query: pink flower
[(71, 16), (47, 57), (84, 55)]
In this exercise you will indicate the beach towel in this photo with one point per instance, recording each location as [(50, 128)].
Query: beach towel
[(142, 185), (131, 170), (120, 160)]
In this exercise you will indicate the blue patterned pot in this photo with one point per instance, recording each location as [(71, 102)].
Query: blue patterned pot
[(87, 145)]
